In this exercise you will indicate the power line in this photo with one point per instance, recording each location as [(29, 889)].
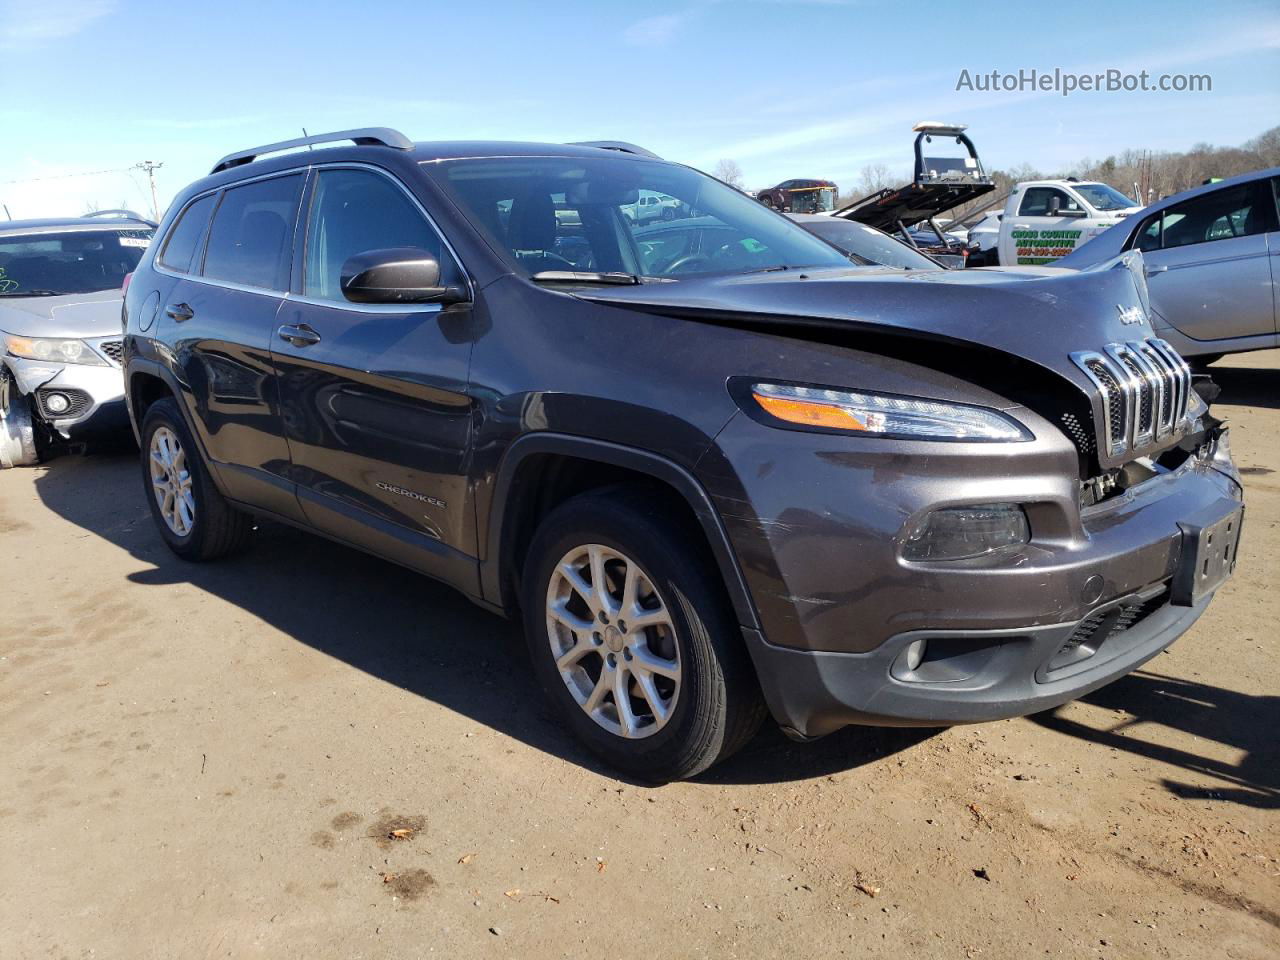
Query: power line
[(65, 176)]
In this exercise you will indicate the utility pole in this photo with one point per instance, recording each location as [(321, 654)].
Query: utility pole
[(150, 169)]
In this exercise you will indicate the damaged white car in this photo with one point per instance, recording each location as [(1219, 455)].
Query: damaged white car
[(60, 336)]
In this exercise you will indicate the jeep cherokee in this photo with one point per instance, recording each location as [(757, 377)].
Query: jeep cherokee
[(716, 482)]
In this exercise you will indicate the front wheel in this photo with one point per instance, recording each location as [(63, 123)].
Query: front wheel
[(632, 638), (194, 519), (18, 444)]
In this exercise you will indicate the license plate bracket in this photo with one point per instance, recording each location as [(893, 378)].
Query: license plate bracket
[(1210, 544)]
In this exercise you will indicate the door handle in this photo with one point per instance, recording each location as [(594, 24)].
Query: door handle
[(1150, 268), (300, 335), (179, 312), (1022, 226)]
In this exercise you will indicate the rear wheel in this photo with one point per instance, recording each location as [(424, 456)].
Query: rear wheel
[(18, 444), (192, 516), (632, 638)]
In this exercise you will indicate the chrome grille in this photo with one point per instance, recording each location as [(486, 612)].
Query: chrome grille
[(1145, 388), (113, 349)]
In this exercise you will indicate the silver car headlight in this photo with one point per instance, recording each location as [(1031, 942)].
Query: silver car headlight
[(52, 350)]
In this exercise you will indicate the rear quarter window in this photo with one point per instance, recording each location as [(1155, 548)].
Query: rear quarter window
[(180, 246), (251, 239)]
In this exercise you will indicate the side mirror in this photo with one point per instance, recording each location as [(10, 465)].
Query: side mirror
[(396, 275), (1055, 207)]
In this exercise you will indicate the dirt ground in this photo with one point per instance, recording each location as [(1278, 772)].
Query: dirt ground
[(310, 753)]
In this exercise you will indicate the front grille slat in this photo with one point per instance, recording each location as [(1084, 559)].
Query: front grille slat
[(1145, 389), (114, 349)]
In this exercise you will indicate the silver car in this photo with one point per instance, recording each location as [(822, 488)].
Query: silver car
[(1211, 258), (60, 334)]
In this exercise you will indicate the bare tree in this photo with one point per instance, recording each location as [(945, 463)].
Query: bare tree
[(728, 171)]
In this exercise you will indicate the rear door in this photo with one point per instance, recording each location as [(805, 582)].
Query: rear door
[(1208, 270), (374, 396), (218, 319)]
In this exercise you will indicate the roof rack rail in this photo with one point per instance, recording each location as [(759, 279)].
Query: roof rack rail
[(620, 145), (124, 214), (364, 137)]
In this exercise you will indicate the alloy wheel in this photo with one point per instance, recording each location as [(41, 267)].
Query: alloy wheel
[(171, 481), (613, 640)]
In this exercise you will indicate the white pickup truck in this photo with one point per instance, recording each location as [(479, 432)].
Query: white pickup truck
[(1044, 220)]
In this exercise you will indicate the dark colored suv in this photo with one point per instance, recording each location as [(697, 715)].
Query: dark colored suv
[(751, 476)]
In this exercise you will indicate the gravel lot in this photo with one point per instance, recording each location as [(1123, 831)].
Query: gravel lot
[(310, 753)]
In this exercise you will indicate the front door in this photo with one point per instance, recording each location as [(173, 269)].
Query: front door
[(374, 397), (1208, 266)]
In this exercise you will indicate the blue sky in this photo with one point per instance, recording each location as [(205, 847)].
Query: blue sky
[(787, 88)]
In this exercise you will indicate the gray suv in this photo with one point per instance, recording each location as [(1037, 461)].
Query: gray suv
[(60, 338), (744, 479)]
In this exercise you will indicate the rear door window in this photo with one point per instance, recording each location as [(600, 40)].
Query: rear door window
[(251, 240), (180, 247)]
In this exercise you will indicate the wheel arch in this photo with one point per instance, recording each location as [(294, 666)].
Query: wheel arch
[(149, 382), (540, 470), (145, 388)]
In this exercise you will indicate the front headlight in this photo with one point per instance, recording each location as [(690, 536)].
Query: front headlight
[(884, 415), (52, 350)]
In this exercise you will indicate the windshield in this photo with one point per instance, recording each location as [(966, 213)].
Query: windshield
[(77, 261), (555, 214), (868, 243), (1102, 197)]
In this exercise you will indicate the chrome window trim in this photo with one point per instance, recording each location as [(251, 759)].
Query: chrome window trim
[(399, 308), (224, 284)]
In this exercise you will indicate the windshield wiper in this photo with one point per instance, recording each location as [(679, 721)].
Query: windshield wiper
[(30, 293), (585, 276)]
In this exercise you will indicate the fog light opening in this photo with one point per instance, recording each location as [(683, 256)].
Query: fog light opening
[(914, 655), (57, 403), (963, 533)]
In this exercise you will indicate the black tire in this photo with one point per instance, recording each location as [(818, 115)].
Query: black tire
[(719, 706), (218, 529), (19, 440)]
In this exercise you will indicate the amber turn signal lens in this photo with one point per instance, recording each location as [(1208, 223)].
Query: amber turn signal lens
[(809, 414)]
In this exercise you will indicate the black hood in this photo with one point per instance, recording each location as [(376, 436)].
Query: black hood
[(1002, 329), (1039, 314)]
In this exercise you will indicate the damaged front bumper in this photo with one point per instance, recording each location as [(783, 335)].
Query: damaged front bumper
[(853, 633), (94, 396)]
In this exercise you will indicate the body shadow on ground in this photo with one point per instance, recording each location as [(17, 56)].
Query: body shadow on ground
[(396, 625)]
